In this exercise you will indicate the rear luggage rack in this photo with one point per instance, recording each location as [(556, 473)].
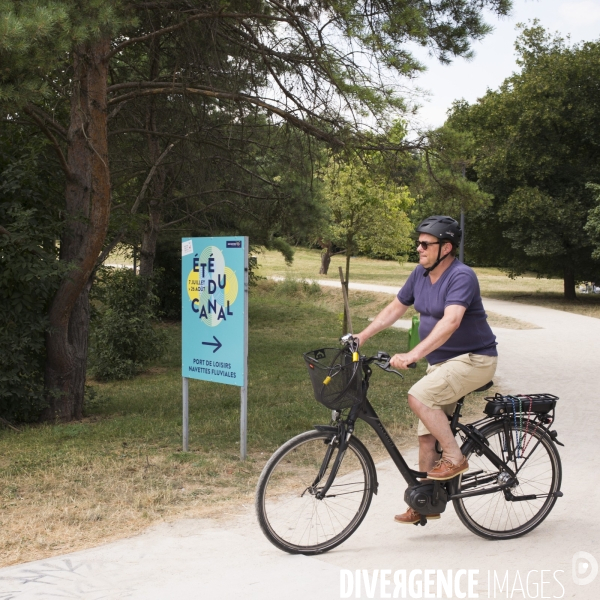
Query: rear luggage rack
[(540, 404)]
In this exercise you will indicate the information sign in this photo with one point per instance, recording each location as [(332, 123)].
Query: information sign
[(214, 323), (214, 314)]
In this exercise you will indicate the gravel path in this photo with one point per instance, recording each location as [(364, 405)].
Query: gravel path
[(203, 560)]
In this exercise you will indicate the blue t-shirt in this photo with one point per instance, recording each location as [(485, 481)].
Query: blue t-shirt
[(457, 285)]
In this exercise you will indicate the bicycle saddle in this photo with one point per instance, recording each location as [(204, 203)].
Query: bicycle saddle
[(485, 387)]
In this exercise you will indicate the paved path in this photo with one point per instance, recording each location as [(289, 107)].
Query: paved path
[(201, 560)]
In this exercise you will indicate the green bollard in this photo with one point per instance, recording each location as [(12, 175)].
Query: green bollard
[(413, 333)]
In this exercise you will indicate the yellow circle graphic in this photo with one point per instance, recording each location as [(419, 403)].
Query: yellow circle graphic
[(214, 287)]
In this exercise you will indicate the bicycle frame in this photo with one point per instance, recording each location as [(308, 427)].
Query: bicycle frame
[(474, 435), (367, 413)]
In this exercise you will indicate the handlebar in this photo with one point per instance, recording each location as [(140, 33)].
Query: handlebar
[(381, 359)]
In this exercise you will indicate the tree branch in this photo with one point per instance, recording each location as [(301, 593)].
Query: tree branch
[(227, 191), (146, 183), (104, 255), (188, 215), (196, 17), (9, 424), (193, 215), (135, 206), (48, 119), (251, 173), (50, 136), (221, 95)]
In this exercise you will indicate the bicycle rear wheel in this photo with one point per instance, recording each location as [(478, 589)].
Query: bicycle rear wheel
[(288, 510), (538, 471)]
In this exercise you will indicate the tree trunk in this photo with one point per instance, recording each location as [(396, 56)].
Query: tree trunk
[(149, 239), (346, 282), (157, 184), (569, 282), (325, 258), (87, 212)]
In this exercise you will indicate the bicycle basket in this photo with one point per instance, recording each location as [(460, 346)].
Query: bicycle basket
[(540, 404), (337, 379)]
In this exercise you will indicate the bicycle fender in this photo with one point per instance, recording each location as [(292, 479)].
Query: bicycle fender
[(329, 428)]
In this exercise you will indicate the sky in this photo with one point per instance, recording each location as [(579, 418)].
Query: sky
[(495, 57)]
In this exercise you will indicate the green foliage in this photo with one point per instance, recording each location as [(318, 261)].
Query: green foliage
[(39, 35), (223, 69), (592, 226), (441, 185), (124, 336), (367, 212), (537, 150), (167, 278), (29, 275), (278, 243)]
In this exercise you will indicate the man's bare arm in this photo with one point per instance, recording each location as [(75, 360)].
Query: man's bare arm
[(389, 315), (439, 335)]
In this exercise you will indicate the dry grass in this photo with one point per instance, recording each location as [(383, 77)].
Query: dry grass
[(367, 304), (503, 322), (586, 304), (84, 500)]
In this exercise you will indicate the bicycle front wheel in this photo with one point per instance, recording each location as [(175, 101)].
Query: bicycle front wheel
[(505, 515), (288, 507)]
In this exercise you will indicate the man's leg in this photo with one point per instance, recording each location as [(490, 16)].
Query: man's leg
[(436, 422), (428, 455)]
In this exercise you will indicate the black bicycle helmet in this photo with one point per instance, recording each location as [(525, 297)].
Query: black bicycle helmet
[(443, 228)]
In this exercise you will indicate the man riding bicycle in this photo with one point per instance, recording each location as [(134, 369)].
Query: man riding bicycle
[(455, 337)]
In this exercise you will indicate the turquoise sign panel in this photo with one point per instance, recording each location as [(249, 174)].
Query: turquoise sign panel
[(214, 308)]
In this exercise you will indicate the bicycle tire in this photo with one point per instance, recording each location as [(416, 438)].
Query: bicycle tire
[(539, 472), (291, 516)]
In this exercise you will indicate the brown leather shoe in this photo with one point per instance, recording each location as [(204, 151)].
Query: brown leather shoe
[(410, 517), (445, 469)]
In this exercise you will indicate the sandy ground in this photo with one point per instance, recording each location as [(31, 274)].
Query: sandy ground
[(203, 560)]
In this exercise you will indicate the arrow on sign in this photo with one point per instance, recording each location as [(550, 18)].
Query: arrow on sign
[(218, 344)]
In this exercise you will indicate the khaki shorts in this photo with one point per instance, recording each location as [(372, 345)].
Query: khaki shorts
[(447, 382)]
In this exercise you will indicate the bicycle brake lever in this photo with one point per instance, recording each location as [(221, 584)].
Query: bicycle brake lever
[(386, 367)]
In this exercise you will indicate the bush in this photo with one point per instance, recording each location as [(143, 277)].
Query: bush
[(28, 280), (167, 267), (291, 286), (29, 270), (124, 337)]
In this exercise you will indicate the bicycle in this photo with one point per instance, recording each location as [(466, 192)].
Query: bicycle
[(316, 489)]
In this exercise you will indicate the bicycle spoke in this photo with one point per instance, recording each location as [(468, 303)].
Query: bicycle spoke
[(537, 474), (300, 521)]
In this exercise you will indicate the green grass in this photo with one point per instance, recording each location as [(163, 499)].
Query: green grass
[(69, 486), (307, 262), (494, 283)]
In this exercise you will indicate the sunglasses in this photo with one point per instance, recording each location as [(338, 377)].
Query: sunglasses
[(426, 244)]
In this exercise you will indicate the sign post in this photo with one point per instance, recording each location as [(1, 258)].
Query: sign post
[(214, 323)]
